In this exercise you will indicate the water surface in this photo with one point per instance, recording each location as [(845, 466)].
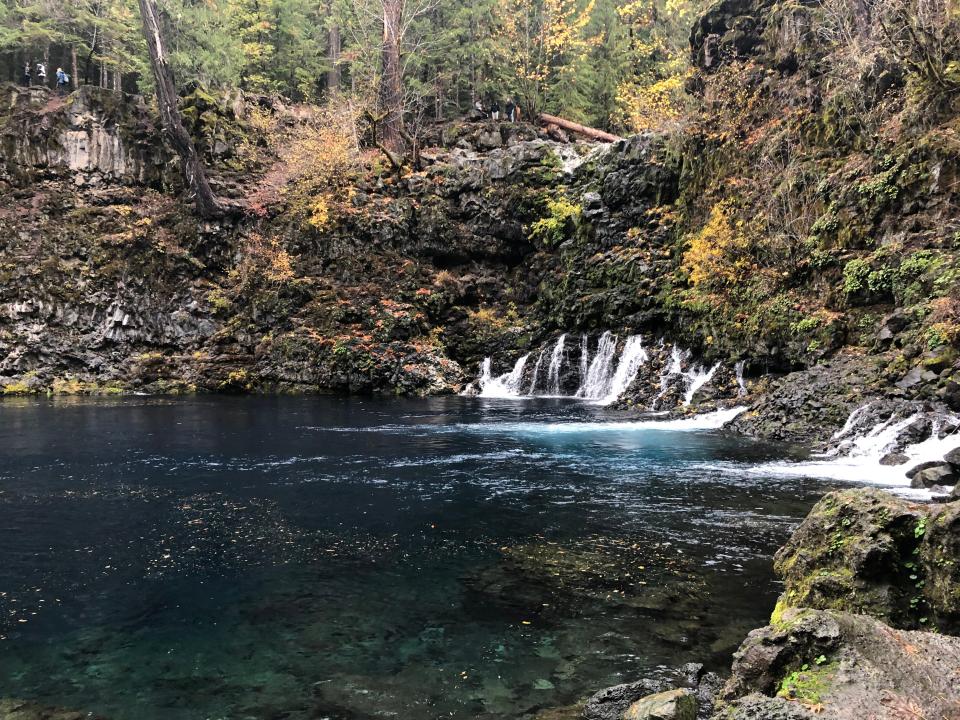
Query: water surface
[(345, 558)]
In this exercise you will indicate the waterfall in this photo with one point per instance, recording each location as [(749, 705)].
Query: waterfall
[(741, 383), (504, 386), (556, 362), (584, 355), (536, 373), (594, 387), (602, 376), (696, 378), (632, 357)]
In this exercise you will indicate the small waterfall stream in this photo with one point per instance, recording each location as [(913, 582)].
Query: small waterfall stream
[(598, 374)]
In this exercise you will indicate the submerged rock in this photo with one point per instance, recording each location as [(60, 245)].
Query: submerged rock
[(830, 664), (866, 551), (11, 709)]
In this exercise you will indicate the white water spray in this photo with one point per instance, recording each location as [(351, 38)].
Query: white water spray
[(594, 387), (857, 457), (695, 379), (503, 386), (632, 357)]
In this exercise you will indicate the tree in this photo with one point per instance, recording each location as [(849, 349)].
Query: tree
[(547, 43), (192, 167), (391, 80)]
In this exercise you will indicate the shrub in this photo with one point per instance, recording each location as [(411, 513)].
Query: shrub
[(720, 253), (856, 274), (552, 229)]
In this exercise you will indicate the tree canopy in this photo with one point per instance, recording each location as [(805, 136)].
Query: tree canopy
[(614, 64)]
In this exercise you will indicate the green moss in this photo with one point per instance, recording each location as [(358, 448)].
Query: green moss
[(809, 683)]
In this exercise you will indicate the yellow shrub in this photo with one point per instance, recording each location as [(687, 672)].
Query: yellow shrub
[(720, 253)]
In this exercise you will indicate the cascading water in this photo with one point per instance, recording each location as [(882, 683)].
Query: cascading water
[(631, 359), (503, 386), (536, 373), (556, 363), (594, 387), (741, 383), (602, 375), (860, 447), (584, 355), (696, 377)]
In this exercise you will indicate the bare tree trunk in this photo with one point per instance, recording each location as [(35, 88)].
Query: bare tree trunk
[(190, 163), (391, 85), (117, 78), (74, 76), (333, 76)]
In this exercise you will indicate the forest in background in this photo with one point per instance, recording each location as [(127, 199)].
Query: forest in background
[(612, 64)]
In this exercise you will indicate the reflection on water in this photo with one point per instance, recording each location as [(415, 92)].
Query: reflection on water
[(309, 557)]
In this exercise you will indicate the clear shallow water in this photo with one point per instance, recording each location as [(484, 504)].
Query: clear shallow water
[(327, 558)]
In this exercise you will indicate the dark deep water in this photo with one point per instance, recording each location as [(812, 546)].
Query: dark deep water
[(343, 558)]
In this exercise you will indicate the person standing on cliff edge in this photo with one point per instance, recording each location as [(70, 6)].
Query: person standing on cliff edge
[(27, 75), (62, 80), (42, 73)]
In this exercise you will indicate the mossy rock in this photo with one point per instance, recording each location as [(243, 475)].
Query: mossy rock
[(869, 552)]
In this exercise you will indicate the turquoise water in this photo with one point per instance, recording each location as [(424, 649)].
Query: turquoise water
[(344, 558)]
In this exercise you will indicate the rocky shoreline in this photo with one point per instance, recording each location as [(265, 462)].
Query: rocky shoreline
[(866, 627)]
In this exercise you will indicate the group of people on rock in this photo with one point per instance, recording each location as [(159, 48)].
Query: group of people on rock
[(63, 80), (511, 110)]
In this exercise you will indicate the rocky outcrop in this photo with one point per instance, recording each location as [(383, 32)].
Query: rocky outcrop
[(830, 664), (687, 694), (869, 552), (90, 137)]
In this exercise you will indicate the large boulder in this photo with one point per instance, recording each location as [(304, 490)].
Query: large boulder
[(867, 551), (829, 664), (937, 474)]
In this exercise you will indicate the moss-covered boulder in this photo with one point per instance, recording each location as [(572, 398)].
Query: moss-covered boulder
[(829, 664), (869, 552)]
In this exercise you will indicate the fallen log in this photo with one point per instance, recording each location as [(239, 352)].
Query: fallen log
[(589, 132)]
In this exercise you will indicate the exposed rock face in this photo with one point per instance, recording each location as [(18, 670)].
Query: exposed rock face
[(829, 664), (810, 405), (866, 551), (92, 136)]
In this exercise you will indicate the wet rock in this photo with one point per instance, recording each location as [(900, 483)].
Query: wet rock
[(939, 474), (11, 709), (921, 467), (894, 459), (678, 704), (953, 457), (867, 551), (811, 405), (612, 703), (830, 664)]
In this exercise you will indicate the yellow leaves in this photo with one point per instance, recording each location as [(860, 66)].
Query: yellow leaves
[(319, 213), (719, 253), (652, 106)]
